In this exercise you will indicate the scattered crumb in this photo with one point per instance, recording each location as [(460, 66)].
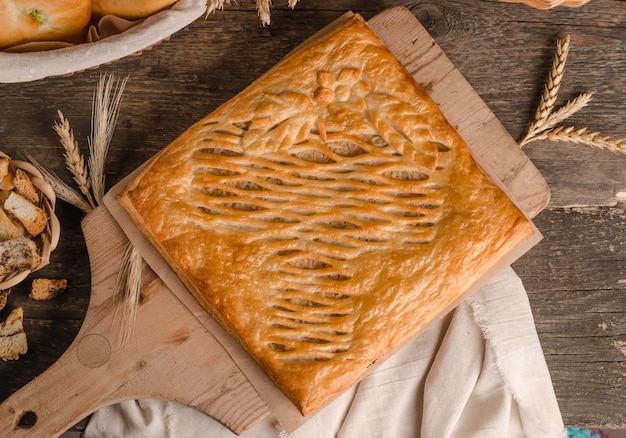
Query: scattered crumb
[(46, 288)]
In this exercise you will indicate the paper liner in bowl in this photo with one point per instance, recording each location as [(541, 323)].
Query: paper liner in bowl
[(33, 65), (48, 240)]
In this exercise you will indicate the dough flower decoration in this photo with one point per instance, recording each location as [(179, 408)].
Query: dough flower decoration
[(341, 101), (343, 93)]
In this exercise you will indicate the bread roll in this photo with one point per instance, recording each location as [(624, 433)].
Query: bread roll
[(130, 9), (23, 21)]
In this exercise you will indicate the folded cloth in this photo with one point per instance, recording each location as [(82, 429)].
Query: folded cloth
[(478, 372)]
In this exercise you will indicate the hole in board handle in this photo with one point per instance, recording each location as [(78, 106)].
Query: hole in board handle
[(27, 420)]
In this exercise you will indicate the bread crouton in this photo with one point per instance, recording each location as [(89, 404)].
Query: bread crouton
[(18, 255), (24, 186), (46, 288), (4, 166), (12, 336), (8, 229), (4, 296), (31, 216)]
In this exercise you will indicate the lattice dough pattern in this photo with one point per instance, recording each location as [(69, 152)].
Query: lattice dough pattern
[(329, 197)]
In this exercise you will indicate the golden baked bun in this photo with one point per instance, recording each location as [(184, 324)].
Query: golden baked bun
[(129, 9), (23, 21)]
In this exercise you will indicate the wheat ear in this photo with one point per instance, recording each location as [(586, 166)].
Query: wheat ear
[(128, 288), (214, 5), (571, 134), (60, 188), (263, 8), (292, 3), (74, 160), (556, 117), (551, 89), (105, 110)]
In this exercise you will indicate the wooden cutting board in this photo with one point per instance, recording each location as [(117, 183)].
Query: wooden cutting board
[(175, 356)]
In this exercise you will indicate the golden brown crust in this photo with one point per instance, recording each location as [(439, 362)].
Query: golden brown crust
[(130, 10), (326, 214), (23, 21)]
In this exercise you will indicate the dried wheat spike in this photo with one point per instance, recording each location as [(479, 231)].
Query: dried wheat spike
[(572, 134), (551, 90), (74, 160)]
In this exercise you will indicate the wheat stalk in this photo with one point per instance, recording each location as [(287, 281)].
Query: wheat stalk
[(105, 110), (90, 179), (74, 160), (551, 89), (214, 5), (128, 287), (558, 116), (60, 188), (571, 107), (572, 134), (263, 8), (546, 118)]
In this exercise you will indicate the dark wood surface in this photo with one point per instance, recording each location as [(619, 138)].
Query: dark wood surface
[(576, 277)]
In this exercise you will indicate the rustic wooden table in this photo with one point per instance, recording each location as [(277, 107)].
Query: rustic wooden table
[(576, 277)]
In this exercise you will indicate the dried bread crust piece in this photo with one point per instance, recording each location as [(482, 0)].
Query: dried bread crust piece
[(4, 166), (4, 295), (13, 342), (24, 186), (43, 289), (326, 214), (30, 215), (8, 229), (18, 255)]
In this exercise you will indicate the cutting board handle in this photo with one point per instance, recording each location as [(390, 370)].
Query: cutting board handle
[(173, 356)]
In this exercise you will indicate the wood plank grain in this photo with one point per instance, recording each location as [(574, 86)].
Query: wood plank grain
[(503, 50), (575, 280), (510, 70)]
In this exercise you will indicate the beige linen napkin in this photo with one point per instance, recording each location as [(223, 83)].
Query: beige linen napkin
[(478, 372)]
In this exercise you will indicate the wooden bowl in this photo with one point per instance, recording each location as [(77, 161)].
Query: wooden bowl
[(46, 241)]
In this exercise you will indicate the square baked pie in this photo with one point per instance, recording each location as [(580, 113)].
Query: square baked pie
[(326, 214)]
